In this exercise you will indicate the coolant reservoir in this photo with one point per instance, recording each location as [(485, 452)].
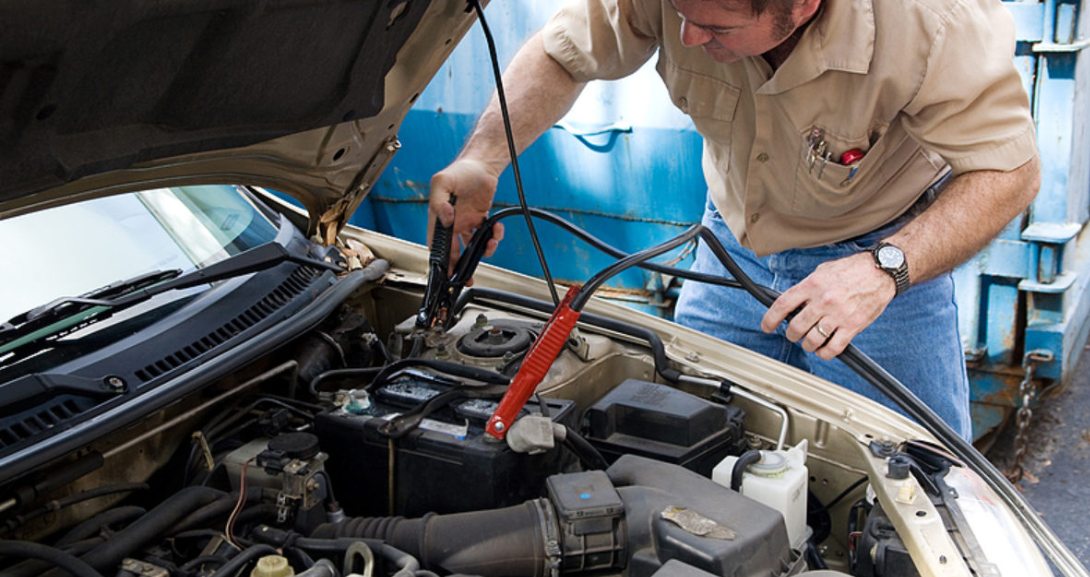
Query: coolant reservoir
[(779, 481), (272, 566)]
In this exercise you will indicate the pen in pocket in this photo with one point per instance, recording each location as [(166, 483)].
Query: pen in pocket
[(851, 159)]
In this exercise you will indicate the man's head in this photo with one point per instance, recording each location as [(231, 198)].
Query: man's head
[(730, 30)]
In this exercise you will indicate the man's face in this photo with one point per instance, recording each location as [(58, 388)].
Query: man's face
[(729, 31)]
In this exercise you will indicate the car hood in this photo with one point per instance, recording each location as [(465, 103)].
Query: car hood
[(303, 96)]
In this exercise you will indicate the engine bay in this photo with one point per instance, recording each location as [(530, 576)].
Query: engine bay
[(361, 449)]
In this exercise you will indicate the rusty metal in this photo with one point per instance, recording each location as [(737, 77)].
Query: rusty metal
[(1027, 390)]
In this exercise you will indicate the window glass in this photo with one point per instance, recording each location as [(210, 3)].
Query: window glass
[(74, 249)]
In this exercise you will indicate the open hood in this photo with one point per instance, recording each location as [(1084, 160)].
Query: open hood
[(96, 95)]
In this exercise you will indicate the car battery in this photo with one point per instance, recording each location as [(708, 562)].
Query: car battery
[(664, 423), (446, 464)]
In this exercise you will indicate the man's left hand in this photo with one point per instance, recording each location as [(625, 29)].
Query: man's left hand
[(835, 303)]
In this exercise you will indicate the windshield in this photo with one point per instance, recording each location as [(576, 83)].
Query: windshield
[(73, 249)]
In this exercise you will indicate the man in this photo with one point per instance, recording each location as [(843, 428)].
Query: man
[(829, 127)]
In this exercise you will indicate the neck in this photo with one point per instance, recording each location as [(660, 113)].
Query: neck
[(779, 54)]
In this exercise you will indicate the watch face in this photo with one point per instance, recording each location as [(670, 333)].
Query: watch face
[(890, 257)]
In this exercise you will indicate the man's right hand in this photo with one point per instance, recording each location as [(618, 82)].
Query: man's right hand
[(539, 93), (474, 184)]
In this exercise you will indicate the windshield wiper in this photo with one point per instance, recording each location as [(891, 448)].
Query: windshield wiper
[(111, 298)]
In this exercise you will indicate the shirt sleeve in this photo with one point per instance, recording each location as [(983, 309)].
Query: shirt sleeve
[(603, 39), (971, 107)]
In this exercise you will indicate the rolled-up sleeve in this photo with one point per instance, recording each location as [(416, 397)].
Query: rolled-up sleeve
[(603, 39), (971, 107)]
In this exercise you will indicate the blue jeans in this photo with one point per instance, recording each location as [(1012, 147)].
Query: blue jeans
[(915, 339)]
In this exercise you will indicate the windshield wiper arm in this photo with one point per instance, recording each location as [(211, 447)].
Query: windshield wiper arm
[(67, 306), (117, 296), (256, 259)]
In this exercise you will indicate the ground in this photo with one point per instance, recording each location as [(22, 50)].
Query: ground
[(1057, 462)]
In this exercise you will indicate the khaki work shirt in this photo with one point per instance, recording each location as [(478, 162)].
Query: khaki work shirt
[(920, 86)]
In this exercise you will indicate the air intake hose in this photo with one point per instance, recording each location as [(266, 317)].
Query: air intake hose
[(635, 516), (509, 541)]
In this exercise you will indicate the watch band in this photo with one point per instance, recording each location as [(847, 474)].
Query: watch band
[(900, 276), (898, 273)]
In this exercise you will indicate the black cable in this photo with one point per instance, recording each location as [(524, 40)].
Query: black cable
[(602, 246), (813, 558), (312, 387), (587, 453), (332, 342), (408, 421), (841, 496), (378, 343), (609, 272), (502, 97), (447, 367), (541, 406), (70, 500), (418, 346), (301, 404), (896, 391)]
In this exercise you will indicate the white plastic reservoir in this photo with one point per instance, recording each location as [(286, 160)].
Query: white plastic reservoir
[(778, 480)]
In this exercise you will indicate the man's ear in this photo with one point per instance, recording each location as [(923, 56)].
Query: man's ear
[(807, 8)]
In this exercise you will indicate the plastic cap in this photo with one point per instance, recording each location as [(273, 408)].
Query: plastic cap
[(850, 157), (272, 566), (302, 446), (772, 464)]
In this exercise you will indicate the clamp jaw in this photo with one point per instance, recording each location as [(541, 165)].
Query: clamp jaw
[(442, 291)]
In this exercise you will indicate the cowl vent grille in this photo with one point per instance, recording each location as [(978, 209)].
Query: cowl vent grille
[(32, 425), (292, 287)]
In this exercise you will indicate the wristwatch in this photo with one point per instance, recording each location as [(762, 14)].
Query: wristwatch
[(892, 260)]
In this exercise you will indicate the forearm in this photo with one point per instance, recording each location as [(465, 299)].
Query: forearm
[(539, 92), (844, 296), (971, 211)]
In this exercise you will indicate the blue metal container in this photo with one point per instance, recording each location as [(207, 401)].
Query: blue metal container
[(1029, 286), (625, 165)]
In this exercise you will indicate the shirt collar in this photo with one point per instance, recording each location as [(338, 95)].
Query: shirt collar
[(841, 38)]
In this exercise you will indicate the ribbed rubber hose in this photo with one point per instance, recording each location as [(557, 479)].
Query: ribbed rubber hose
[(496, 543), (149, 528), (28, 550)]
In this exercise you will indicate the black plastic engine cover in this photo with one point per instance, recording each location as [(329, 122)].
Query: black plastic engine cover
[(664, 423), (652, 489)]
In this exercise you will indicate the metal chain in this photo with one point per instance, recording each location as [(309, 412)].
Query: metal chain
[(1027, 391)]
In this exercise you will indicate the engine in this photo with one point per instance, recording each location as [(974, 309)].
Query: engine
[(362, 450)]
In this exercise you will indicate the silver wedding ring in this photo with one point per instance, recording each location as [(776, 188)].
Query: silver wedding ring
[(821, 331)]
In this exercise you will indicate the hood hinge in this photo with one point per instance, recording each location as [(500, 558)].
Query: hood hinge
[(336, 217)]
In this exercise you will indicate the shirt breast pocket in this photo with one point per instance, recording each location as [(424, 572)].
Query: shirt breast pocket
[(709, 102), (824, 187)]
